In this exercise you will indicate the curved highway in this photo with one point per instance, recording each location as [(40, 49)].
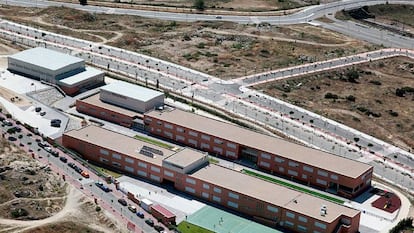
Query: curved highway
[(303, 16)]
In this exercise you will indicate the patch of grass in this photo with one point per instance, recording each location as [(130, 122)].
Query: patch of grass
[(186, 227), (154, 142), (106, 171), (213, 160), (295, 187)]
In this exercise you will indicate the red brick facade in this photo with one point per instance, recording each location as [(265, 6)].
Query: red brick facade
[(345, 186)]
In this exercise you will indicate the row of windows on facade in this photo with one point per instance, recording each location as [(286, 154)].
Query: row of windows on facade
[(194, 134), (295, 164), (203, 145)]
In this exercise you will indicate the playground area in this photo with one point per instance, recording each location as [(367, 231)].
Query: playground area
[(219, 221), (387, 201)]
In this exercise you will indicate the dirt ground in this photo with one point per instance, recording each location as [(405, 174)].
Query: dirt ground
[(34, 199), (368, 103), (222, 49), (228, 5)]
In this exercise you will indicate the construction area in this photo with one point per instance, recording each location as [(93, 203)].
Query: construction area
[(222, 49)]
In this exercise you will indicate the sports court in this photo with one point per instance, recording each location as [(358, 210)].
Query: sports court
[(223, 222)]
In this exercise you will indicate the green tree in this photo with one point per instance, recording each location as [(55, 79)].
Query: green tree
[(199, 4)]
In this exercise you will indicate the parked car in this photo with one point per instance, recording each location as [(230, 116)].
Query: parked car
[(85, 174), (63, 159), (132, 208), (43, 113), (12, 139), (149, 222), (103, 187), (38, 109), (55, 153), (159, 228), (140, 214), (122, 202), (71, 165)]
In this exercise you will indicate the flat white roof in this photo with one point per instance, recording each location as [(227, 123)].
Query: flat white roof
[(131, 91), (46, 58), (82, 76)]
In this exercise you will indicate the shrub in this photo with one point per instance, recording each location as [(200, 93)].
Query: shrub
[(352, 75), (351, 98), (392, 113), (400, 92), (98, 208), (331, 96), (375, 82)]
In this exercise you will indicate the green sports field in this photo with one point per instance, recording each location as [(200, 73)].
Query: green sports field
[(219, 221)]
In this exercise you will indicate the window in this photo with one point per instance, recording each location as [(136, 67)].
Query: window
[(168, 173), (129, 169), (179, 129), (141, 164), (307, 168), (156, 178), (230, 154), (272, 209), (231, 145), (205, 145), (116, 164), (334, 177), (192, 141), (265, 156), (233, 195), (168, 134), (205, 195), (216, 199), (218, 141), (168, 126), (179, 138), (322, 182), (206, 186), (190, 181), (159, 123), (159, 130), (293, 164), (264, 164), (104, 152), (205, 137), (218, 150), (281, 169), (116, 156), (141, 173), (289, 224), (192, 133), (290, 214), (303, 219), (189, 189), (103, 160), (217, 190), (302, 228), (155, 169), (129, 160), (233, 204), (322, 173), (304, 176), (320, 225), (279, 160), (293, 173)]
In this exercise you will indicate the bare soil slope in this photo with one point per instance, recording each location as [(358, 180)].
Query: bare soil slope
[(363, 97)]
